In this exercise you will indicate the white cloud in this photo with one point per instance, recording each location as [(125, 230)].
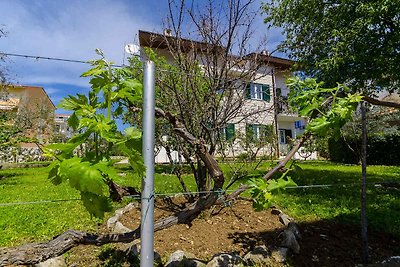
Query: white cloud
[(73, 29), (52, 90), (64, 29)]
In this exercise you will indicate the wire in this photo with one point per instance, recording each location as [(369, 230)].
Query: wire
[(55, 59), (37, 202), (176, 194), (342, 185), (113, 65)]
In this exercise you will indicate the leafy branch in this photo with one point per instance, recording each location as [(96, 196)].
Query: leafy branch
[(112, 90)]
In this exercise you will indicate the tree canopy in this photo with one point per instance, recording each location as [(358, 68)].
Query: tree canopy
[(355, 42)]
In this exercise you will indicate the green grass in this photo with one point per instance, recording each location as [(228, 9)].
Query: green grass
[(342, 203), (32, 222), (38, 222)]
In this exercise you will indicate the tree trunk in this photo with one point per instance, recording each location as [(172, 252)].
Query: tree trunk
[(178, 174)]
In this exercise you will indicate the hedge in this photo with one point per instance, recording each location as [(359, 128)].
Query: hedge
[(381, 150)]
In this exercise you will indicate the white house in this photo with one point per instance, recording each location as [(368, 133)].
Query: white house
[(264, 106)]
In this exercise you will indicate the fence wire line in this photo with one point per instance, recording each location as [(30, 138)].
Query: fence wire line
[(176, 194)]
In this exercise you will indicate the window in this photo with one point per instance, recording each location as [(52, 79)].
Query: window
[(285, 135), (299, 125), (258, 131), (258, 91), (229, 131)]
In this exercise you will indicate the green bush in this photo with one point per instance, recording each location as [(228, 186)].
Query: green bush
[(382, 149)]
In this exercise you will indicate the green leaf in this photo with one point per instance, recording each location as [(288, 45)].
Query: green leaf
[(83, 176), (63, 150), (54, 175), (133, 133), (94, 72), (96, 205), (319, 126), (73, 121)]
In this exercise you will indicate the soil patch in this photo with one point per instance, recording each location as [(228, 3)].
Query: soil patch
[(222, 229), (239, 229)]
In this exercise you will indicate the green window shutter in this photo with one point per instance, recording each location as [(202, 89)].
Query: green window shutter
[(266, 92), (248, 96), (230, 131)]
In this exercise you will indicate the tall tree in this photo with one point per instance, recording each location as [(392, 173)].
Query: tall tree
[(209, 45), (354, 42), (350, 42)]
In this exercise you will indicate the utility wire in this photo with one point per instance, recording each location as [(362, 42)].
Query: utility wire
[(54, 59), (176, 194), (113, 65), (37, 202)]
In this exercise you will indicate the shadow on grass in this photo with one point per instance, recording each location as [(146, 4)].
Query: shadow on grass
[(327, 243), (9, 179), (338, 174)]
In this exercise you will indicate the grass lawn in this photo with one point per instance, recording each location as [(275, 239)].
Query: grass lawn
[(341, 202), (38, 222), (25, 223)]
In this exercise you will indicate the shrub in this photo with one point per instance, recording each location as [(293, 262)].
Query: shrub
[(382, 149)]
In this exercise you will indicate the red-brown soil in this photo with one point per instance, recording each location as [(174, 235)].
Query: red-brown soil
[(238, 229)]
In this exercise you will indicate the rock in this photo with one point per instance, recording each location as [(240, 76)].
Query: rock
[(134, 252), (280, 255), (259, 256), (226, 260), (53, 262), (111, 222), (290, 237), (284, 219), (120, 228), (183, 259)]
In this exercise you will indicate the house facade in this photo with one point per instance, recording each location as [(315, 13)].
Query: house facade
[(32, 108), (264, 110)]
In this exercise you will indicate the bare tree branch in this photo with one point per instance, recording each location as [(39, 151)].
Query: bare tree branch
[(378, 102)]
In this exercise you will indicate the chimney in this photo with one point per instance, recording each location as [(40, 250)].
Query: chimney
[(167, 32), (265, 52)]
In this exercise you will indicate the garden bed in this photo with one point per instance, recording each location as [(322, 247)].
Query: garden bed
[(239, 229)]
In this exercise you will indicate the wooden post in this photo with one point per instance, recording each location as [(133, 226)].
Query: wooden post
[(364, 225)]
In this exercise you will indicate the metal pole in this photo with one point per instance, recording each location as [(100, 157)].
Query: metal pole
[(147, 221), (364, 224)]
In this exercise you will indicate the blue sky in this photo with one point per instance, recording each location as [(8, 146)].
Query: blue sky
[(73, 29)]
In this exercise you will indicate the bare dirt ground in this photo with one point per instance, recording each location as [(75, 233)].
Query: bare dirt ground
[(239, 229)]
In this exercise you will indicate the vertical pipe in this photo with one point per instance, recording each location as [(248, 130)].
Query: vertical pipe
[(364, 226), (147, 221)]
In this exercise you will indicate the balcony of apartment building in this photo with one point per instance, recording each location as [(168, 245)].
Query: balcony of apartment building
[(61, 129)]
